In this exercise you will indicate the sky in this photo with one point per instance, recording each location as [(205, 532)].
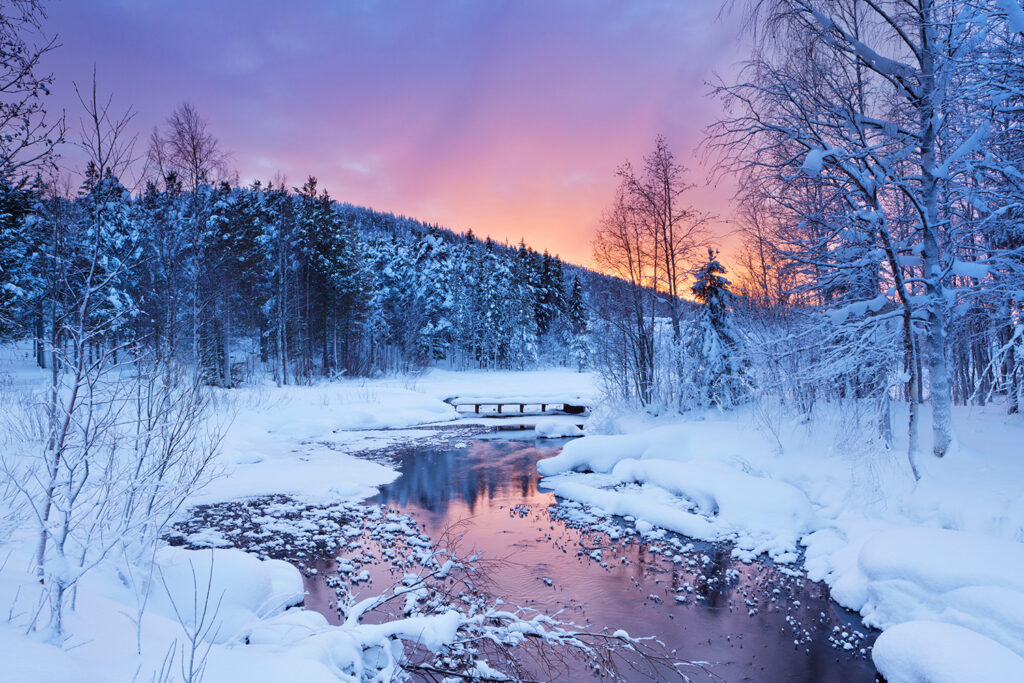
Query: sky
[(507, 118)]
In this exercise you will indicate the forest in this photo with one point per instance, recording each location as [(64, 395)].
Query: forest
[(269, 279)]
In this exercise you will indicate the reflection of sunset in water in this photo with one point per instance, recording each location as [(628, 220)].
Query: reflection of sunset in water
[(742, 618)]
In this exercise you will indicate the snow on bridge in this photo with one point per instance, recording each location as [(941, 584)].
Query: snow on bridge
[(538, 404)]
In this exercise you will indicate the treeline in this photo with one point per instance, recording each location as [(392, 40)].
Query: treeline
[(239, 279)]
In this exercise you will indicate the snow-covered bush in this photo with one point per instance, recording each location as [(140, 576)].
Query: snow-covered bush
[(101, 463)]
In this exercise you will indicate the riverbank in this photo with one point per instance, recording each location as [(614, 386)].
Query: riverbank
[(799, 490), (228, 613), (926, 560)]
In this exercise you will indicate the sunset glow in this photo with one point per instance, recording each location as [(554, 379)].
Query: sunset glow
[(507, 118)]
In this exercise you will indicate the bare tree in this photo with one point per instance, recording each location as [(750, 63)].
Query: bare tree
[(620, 249), (187, 148), (674, 230), (649, 239), (28, 136)]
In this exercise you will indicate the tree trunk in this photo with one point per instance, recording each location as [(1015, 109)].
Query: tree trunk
[(913, 426), (941, 400)]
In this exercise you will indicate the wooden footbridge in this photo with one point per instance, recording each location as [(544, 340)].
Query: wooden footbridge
[(517, 406), (504, 407)]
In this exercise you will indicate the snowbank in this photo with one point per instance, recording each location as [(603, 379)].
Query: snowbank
[(707, 500), (598, 453), (556, 429), (299, 440), (934, 652), (240, 610), (945, 551), (951, 576)]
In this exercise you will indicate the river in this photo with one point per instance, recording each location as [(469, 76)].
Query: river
[(749, 622)]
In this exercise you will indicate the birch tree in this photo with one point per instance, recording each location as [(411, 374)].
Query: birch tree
[(875, 116)]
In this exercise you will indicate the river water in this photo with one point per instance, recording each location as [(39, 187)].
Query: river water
[(749, 622)]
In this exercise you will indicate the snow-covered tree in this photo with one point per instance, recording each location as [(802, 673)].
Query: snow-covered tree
[(863, 135), (576, 324), (716, 345)]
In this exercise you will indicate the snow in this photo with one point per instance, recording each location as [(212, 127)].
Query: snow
[(814, 160), (230, 597), (296, 439), (556, 429), (937, 652), (858, 308), (970, 269), (954, 576), (936, 565), (757, 513), (241, 590), (550, 382), (25, 659), (947, 550), (302, 441), (552, 400), (1014, 14)]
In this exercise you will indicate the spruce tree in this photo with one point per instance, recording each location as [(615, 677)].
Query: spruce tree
[(719, 367)]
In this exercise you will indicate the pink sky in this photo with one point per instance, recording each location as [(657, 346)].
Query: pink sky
[(508, 118)]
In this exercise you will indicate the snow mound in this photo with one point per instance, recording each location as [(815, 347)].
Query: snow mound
[(597, 453), (957, 577), (556, 429), (739, 503), (222, 592), (707, 501), (934, 652)]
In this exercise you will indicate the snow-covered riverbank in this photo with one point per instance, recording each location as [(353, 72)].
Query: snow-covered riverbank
[(221, 610), (922, 562), (927, 558)]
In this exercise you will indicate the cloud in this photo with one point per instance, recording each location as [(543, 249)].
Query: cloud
[(507, 117)]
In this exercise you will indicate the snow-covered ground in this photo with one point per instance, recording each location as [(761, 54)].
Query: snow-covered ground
[(935, 565), (299, 440), (133, 621), (925, 563)]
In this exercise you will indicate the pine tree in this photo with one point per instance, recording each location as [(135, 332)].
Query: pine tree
[(16, 281), (434, 299), (576, 324), (719, 367)]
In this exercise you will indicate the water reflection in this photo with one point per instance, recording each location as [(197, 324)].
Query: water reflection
[(751, 622), (476, 475)]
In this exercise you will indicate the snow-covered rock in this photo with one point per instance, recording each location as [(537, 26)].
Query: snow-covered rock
[(935, 652), (556, 429), (942, 575)]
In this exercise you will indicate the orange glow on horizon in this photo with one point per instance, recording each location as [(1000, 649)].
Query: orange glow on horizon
[(508, 119)]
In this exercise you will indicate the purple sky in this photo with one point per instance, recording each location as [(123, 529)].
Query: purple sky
[(505, 117)]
